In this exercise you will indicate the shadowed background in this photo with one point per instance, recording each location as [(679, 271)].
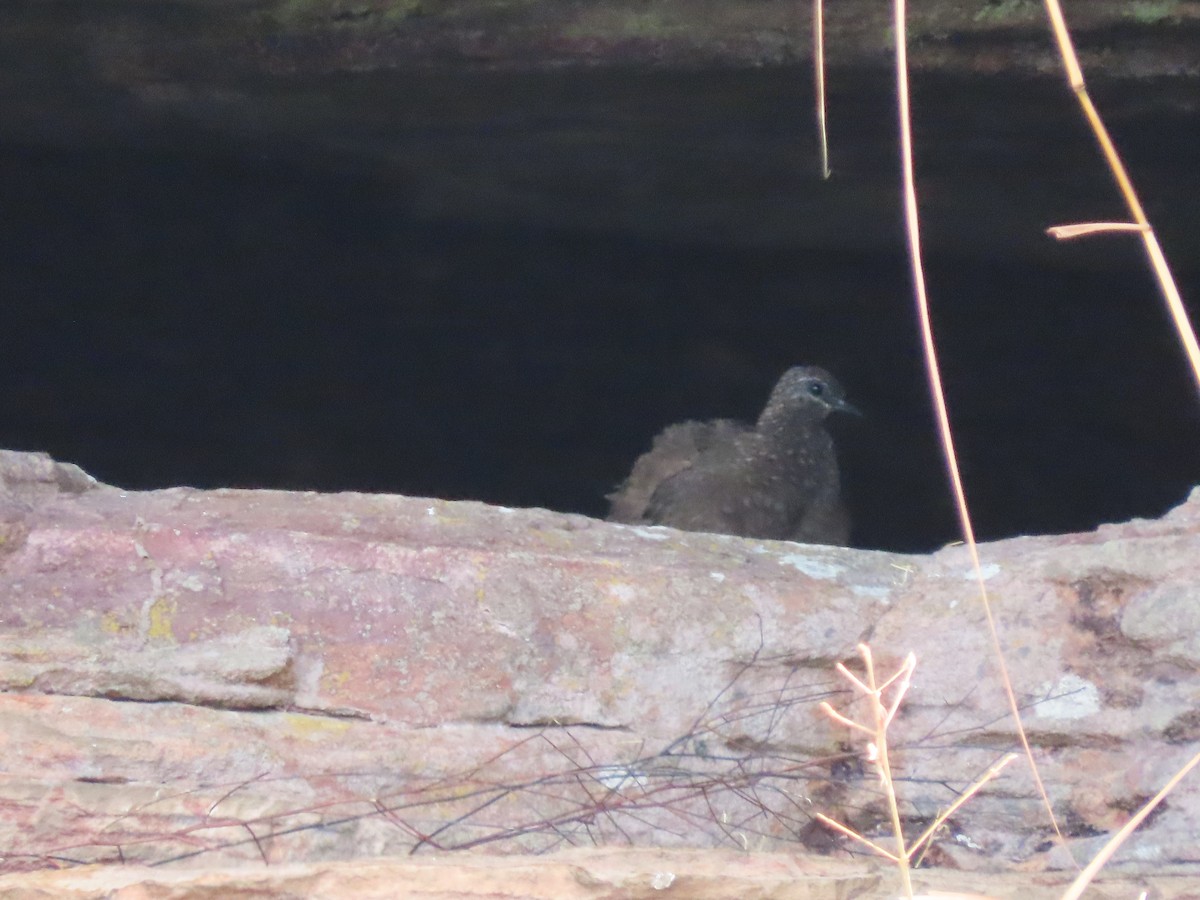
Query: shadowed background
[(501, 286)]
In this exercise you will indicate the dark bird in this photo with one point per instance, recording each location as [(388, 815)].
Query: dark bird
[(778, 479)]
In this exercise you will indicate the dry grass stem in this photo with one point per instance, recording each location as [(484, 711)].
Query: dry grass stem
[(912, 228), (1086, 229), (966, 795), (1079, 885), (1141, 226), (819, 77), (851, 833), (1158, 261)]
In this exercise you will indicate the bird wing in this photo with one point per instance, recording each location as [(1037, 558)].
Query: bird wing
[(741, 485), (708, 493), (674, 450)]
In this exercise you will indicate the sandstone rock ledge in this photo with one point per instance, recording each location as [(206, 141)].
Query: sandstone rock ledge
[(264, 685)]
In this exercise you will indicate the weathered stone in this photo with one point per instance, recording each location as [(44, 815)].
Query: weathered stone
[(151, 48), (344, 676), (626, 874)]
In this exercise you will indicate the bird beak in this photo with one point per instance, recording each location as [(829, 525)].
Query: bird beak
[(844, 406)]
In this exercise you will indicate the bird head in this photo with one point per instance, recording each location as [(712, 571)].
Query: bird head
[(808, 391)]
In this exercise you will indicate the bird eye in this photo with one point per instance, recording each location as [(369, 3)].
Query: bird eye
[(817, 389)]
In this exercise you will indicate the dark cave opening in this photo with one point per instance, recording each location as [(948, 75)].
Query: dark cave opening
[(217, 313)]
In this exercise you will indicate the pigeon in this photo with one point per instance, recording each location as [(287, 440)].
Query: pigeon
[(777, 479)]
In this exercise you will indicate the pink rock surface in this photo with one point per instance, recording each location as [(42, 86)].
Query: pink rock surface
[(595, 874), (232, 677)]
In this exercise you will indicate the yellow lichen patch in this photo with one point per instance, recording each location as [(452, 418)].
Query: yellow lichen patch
[(160, 619), (308, 726)]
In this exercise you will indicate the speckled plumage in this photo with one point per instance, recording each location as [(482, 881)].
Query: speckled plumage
[(777, 479)]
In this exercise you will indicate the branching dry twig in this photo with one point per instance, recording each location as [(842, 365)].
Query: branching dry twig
[(882, 715)]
